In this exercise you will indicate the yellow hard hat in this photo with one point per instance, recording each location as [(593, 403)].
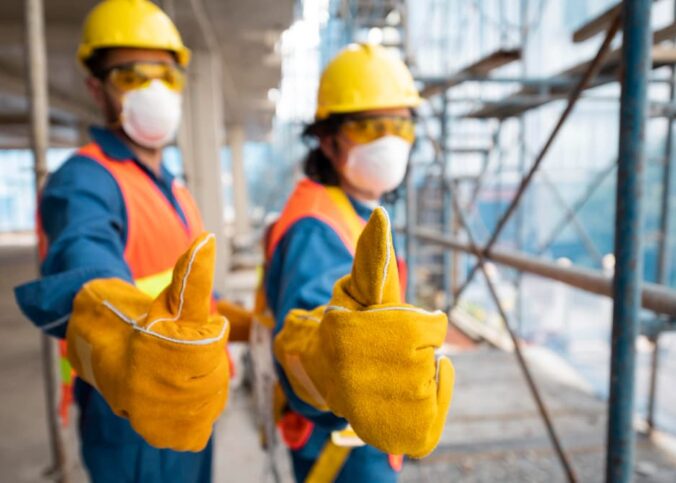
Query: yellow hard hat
[(130, 23), (363, 77)]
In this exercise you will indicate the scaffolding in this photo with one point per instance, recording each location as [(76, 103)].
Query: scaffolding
[(455, 234)]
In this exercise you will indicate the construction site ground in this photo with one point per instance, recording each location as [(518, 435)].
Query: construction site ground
[(493, 433)]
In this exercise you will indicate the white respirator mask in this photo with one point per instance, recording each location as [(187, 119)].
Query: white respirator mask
[(378, 166), (151, 115)]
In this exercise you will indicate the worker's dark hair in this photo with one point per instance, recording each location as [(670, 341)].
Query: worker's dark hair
[(317, 166), (96, 63)]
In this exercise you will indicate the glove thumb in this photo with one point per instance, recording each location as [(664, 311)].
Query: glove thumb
[(375, 277), (188, 296)]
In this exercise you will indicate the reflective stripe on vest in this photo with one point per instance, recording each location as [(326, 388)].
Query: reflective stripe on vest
[(154, 284)]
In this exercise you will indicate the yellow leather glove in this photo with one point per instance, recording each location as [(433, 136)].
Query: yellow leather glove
[(370, 358), (160, 363), (240, 319)]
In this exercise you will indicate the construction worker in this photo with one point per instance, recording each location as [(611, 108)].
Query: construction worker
[(347, 349), (127, 272)]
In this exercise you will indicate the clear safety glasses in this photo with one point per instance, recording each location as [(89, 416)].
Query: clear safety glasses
[(137, 75), (368, 129)]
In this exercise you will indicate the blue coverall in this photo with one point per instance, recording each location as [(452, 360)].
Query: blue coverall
[(84, 217), (305, 265)]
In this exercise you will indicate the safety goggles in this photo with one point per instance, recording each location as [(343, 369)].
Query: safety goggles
[(368, 129), (137, 75)]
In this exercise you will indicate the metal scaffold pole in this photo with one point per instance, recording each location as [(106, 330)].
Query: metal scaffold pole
[(519, 216), (447, 214), (39, 116), (628, 221)]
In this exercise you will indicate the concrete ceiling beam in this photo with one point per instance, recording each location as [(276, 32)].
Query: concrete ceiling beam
[(12, 82)]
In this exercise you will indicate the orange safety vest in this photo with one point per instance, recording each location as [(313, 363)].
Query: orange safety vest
[(156, 236), (330, 205)]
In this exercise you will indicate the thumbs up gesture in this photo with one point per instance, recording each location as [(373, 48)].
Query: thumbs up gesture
[(160, 363), (371, 358)]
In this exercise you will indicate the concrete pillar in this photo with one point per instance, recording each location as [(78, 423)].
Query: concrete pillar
[(200, 141), (236, 139)]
